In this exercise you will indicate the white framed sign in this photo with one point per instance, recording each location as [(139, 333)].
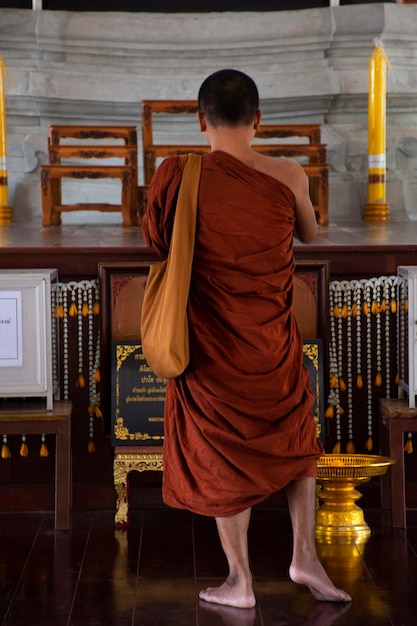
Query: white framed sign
[(26, 334)]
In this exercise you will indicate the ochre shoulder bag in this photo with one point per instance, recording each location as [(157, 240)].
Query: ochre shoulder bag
[(164, 321)]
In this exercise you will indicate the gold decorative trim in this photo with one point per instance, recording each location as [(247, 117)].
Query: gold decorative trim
[(311, 350)]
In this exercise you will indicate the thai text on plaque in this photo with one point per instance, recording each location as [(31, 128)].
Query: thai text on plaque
[(138, 397)]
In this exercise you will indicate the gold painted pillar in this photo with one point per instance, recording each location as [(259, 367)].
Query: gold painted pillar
[(5, 210), (377, 208)]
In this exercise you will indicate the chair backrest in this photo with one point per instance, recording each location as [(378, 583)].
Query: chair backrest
[(57, 132)]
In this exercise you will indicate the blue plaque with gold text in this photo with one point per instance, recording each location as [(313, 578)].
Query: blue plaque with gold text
[(137, 398)]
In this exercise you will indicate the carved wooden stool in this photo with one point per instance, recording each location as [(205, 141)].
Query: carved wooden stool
[(396, 418), (128, 459), (51, 179), (51, 212), (128, 153)]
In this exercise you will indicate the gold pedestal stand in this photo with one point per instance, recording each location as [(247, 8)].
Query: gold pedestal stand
[(377, 212), (6, 216), (338, 518)]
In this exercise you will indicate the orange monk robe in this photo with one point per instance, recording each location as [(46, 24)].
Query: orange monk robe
[(238, 422)]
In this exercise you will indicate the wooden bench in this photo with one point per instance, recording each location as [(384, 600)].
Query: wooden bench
[(25, 418), (312, 150)]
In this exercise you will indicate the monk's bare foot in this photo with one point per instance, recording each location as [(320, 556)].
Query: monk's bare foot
[(230, 593), (313, 575)]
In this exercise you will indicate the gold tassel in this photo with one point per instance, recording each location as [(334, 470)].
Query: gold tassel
[(97, 376), (393, 306), (336, 448), (24, 451), (354, 311), (91, 446), (5, 450), (96, 308), (94, 410), (59, 311), (333, 381), (345, 311), (350, 448), (44, 452), (329, 411), (84, 310), (375, 308), (365, 308), (378, 379), (369, 444), (383, 306), (80, 382), (409, 445), (342, 384), (359, 381), (336, 311)]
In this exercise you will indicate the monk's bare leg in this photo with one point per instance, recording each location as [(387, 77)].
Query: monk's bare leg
[(306, 568), (237, 589)]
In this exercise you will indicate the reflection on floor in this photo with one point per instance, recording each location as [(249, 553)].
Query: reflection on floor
[(150, 573)]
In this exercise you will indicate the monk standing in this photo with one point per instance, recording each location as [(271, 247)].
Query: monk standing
[(238, 422)]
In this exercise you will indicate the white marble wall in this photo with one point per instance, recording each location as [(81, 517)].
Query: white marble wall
[(310, 66)]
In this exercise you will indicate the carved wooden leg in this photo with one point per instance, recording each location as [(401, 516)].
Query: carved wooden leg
[(120, 471), (46, 193), (128, 207), (50, 217)]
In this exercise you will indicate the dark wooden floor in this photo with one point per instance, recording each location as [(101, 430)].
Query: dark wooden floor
[(150, 573)]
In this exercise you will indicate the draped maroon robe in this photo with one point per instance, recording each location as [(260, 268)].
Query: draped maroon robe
[(238, 422)]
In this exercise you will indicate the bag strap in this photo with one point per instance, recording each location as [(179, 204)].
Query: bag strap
[(183, 232)]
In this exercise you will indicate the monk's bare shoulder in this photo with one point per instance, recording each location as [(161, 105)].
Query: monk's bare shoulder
[(291, 173), (285, 170)]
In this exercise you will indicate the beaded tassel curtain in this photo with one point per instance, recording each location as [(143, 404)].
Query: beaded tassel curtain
[(362, 357), (76, 305)]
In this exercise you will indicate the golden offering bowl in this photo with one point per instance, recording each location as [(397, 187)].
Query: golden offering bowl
[(338, 518)]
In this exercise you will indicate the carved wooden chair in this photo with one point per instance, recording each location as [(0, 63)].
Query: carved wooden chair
[(53, 173), (311, 153)]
